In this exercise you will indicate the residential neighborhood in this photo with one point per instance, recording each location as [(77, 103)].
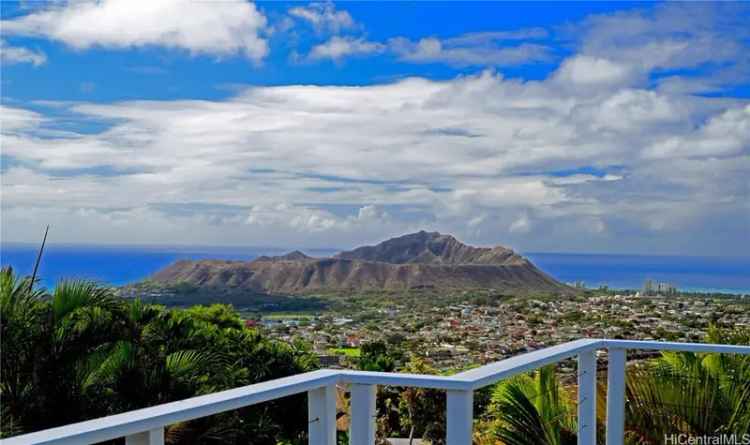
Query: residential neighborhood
[(468, 334)]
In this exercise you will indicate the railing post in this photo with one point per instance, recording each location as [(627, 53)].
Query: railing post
[(459, 417), (587, 398), (321, 415), (152, 437), (616, 396), (362, 421)]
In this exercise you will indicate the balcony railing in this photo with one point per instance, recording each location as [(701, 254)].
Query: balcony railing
[(146, 426)]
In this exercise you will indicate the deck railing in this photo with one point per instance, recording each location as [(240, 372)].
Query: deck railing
[(146, 426)]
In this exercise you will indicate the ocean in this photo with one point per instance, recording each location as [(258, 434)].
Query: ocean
[(687, 273), (118, 265)]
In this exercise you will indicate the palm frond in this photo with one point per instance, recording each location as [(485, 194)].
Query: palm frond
[(70, 295)]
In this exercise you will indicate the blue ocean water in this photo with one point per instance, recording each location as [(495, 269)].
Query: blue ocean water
[(687, 273), (119, 265)]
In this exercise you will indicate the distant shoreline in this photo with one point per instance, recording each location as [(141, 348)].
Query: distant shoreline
[(120, 265), (308, 250)]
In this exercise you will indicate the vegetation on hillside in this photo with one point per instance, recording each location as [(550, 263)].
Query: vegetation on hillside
[(535, 406), (695, 394), (80, 352), (677, 393)]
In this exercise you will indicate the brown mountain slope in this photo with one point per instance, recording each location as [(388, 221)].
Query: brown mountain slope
[(412, 261), (431, 248)]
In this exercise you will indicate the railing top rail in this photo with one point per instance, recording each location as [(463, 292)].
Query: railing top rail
[(399, 379), (145, 419), (676, 346), (489, 374), (131, 422)]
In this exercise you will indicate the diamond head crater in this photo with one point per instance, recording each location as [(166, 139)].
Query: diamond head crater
[(413, 262)]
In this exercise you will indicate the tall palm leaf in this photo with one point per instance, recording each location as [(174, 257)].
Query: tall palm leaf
[(533, 410), (23, 316), (72, 295), (697, 394)]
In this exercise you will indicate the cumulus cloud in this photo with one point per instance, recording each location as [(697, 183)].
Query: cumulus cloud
[(668, 36), (213, 28), (308, 219), (16, 119), (324, 17), (338, 47), (623, 47), (526, 163), (602, 155), (708, 39), (489, 48), (588, 71), (16, 54), (725, 135)]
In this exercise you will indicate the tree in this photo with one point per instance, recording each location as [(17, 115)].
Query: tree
[(376, 356), (21, 311), (116, 355), (696, 394), (533, 410), (422, 410), (688, 393)]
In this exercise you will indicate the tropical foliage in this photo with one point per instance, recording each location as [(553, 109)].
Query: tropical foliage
[(422, 410), (695, 394), (676, 393), (534, 409), (80, 352)]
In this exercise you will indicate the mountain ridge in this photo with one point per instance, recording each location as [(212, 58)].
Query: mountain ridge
[(430, 248), (416, 260)]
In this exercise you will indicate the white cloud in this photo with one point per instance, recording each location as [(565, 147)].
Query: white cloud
[(297, 218), (601, 155), (338, 47), (201, 27), (15, 119), (727, 134), (473, 49), (306, 219), (521, 225), (16, 54), (487, 37), (709, 39), (477, 155), (667, 36), (495, 48), (324, 17), (587, 71)]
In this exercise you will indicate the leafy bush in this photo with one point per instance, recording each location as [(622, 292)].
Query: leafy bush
[(80, 352)]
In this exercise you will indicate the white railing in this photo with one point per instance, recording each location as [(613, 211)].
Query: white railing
[(146, 426)]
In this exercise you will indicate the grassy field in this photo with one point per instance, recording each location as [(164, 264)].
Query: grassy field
[(349, 352)]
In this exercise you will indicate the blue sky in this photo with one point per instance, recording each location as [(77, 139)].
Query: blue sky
[(582, 127), (158, 73)]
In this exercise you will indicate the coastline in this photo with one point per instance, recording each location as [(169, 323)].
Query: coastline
[(121, 265)]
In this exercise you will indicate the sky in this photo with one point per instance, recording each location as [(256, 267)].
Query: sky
[(559, 127)]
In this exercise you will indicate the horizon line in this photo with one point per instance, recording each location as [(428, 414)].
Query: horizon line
[(3, 244)]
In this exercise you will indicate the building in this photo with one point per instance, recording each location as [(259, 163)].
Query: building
[(652, 288)]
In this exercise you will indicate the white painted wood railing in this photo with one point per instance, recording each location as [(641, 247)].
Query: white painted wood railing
[(146, 426)]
